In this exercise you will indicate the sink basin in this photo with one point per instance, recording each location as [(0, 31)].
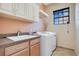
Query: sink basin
[(22, 37)]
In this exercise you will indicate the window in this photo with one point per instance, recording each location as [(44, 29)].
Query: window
[(61, 16)]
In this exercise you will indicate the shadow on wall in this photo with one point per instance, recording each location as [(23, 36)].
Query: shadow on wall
[(38, 26)]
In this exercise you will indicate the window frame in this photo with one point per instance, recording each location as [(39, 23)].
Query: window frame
[(61, 11)]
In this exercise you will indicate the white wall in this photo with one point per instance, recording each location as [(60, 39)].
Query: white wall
[(77, 29), (64, 38)]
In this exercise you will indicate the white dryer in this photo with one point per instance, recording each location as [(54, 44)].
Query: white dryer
[(47, 43)]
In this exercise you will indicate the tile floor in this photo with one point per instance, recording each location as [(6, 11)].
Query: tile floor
[(63, 52)]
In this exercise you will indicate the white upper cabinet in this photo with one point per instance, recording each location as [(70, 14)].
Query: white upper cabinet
[(28, 11), (35, 12), (32, 11), (6, 8), (19, 9)]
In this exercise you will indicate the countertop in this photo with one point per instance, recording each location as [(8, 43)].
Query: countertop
[(5, 42)]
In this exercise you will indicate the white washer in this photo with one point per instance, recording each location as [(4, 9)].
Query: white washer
[(47, 43)]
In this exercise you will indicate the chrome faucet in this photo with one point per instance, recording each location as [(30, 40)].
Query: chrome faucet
[(18, 33)]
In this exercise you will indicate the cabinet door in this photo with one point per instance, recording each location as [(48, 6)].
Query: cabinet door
[(7, 7), (2, 52), (15, 48), (19, 9), (24, 52), (32, 11), (34, 41), (35, 50), (28, 11), (35, 12)]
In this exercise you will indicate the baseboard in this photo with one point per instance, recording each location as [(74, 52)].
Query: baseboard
[(65, 48)]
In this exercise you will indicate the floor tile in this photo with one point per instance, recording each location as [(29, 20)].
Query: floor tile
[(63, 52)]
